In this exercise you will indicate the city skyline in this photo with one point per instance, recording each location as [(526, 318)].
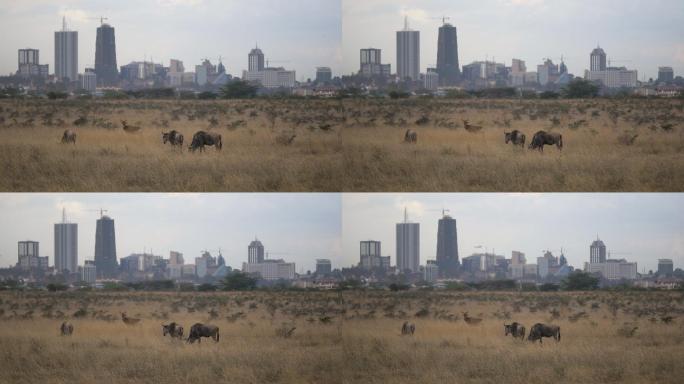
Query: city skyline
[(648, 226), (187, 30), (187, 223), (508, 29)]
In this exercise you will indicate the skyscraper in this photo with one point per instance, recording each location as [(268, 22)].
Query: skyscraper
[(105, 59), (256, 60), (597, 252), (105, 247), (255, 252), (66, 246), (408, 245), (598, 60), (408, 53), (447, 246), (66, 54), (447, 56)]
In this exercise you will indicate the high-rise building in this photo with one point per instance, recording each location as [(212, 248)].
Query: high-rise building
[(408, 53), (105, 247), (665, 74), (447, 245), (369, 254), (28, 254), (370, 60), (517, 258), (431, 271), (448, 67), (665, 267), (256, 60), (89, 80), (431, 79), (29, 64), (271, 269), (597, 252), (323, 266), (66, 246), (66, 55), (176, 258), (255, 252), (408, 245), (323, 74), (105, 60), (89, 272), (598, 60)]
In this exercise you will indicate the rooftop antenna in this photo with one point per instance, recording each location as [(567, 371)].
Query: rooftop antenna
[(64, 26), (406, 28), (64, 215), (405, 215)]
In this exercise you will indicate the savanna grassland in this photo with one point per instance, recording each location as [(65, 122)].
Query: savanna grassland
[(343, 145), (343, 337)]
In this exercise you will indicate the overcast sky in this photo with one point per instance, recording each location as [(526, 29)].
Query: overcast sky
[(303, 226), (302, 33), (649, 33), (648, 226)]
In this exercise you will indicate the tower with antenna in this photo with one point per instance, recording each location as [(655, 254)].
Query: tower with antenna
[(408, 245), (66, 53), (408, 53), (66, 245)]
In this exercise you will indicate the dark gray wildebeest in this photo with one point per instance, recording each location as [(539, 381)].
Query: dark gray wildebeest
[(202, 138), (411, 136), (66, 329), (543, 138), (129, 320), (539, 331), (173, 329), (174, 137), (408, 328), (199, 330), (516, 137), (69, 136), (516, 329)]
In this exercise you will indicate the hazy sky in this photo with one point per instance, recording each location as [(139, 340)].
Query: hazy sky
[(649, 226), (304, 32), (650, 33), (304, 226)]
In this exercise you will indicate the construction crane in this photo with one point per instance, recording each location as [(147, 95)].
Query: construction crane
[(101, 18), (611, 61), (443, 210), (610, 253), (268, 253), (268, 61), (443, 18), (102, 211)]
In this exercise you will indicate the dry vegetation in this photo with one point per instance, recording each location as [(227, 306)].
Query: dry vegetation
[(343, 145), (342, 338)]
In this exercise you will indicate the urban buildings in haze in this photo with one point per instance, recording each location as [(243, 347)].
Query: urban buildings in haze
[(597, 252), (370, 256), (408, 53), (323, 266), (408, 245), (105, 56), (255, 252), (597, 60), (66, 246), (105, 247), (370, 63), (447, 246), (256, 60), (447, 55), (66, 55), (665, 267), (28, 256), (29, 64)]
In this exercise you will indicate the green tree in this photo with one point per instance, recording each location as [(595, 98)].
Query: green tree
[(239, 281), (238, 89), (579, 281), (580, 89), (54, 287)]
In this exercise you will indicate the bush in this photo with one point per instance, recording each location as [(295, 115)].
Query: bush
[(206, 287), (579, 281), (395, 287), (580, 89), (54, 95), (238, 89), (207, 96), (54, 287), (239, 281)]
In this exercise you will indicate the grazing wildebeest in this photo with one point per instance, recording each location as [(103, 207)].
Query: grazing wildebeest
[(516, 329), (66, 329), (543, 138), (516, 137), (411, 136), (69, 136), (471, 128), (539, 330), (173, 329), (129, 128), (129, 320), (200, 330), (471, 320), (408, 328), (202, 138), (174, 137)]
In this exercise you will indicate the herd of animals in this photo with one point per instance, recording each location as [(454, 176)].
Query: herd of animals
[(539, 140), (199, 330)]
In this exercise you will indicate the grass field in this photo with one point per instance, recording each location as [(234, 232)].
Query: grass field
[(360, 343), (343, 145)]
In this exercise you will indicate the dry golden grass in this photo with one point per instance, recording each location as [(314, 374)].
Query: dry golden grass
[(343, 145), (362, 343)]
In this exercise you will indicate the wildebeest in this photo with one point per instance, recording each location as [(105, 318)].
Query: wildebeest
[(516, 137), (471, 320), (543, 138), (202, 138), (200, 330), (516, 329), (129, 320), (174, 137), (408, 328), (173, 329), (471, 128), (411, 136), (129, 128), (69, 136), (66, 329), (539, 330)]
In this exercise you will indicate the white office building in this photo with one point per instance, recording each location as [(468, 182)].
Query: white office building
[(66, 54), (66, 246), (615, 77), (408, 245), (89, 80), (271, 269), (431, 271), (614, 269), (408, 53), (89, 272), (271, 77)]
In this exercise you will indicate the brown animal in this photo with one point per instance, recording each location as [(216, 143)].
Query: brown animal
[(516, 137), (471, 320), (540, 331), (543, 138), (69, 136), (515, 329), (202, 138), (408, 328), (199, 330), (411, 136), (173, 329), (471, 128), (129, 128), (66, 329), (129, 320)]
